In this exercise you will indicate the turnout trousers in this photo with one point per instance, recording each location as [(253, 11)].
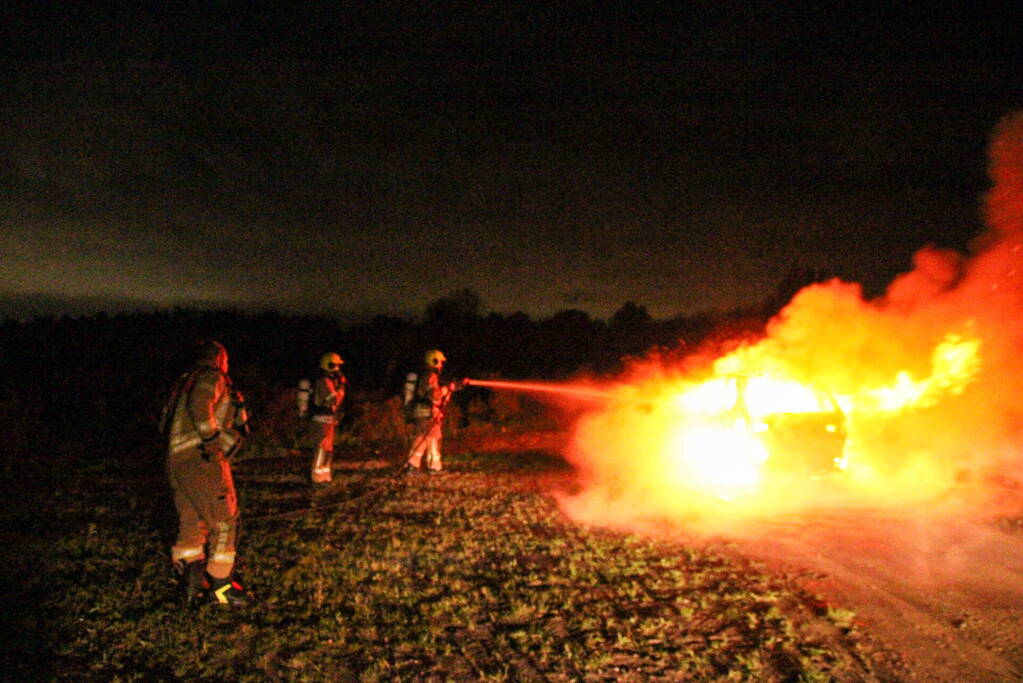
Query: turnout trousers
[(207, 506), (426, 442), (321, 471)]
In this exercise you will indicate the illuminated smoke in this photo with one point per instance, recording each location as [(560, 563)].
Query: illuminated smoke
[(912, 397)]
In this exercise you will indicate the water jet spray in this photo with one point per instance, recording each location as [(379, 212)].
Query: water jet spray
[(544, 387)]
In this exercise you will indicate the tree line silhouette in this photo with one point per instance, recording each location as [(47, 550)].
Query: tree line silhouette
[(96, 383)]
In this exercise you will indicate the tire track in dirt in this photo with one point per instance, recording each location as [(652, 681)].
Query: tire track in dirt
[(944, 593)]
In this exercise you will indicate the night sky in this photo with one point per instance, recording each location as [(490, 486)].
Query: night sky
[(372, 160)]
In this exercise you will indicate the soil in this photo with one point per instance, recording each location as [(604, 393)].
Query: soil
[(940, 592)]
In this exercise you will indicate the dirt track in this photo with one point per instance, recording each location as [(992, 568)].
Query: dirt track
[(945, 595)]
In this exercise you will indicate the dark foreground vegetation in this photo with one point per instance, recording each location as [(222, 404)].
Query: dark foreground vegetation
[(473, 575)]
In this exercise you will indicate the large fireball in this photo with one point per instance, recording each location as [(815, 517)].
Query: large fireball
[(844, 401)]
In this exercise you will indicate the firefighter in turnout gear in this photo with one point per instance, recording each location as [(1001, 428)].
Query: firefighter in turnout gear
[(327, 395), (206, 425), (428, 400)]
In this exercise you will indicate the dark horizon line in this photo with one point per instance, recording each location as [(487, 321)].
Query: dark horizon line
[(37, 306)]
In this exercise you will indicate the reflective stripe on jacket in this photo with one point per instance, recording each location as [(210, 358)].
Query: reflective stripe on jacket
[(203, 410)]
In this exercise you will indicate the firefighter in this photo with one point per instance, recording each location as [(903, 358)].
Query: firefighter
[(206, 423), (428, 400), (328, 394)]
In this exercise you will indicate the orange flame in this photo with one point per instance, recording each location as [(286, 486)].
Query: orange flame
[(719, 438), (888, 402)]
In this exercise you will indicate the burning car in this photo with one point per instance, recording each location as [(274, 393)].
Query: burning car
[(811, 442), (801, 429)]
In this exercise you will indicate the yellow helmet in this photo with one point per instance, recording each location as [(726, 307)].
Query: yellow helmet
[(331, 362), (434, 358)]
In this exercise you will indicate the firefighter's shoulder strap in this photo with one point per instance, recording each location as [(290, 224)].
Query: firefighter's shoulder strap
[(318, 397), (423, 389)]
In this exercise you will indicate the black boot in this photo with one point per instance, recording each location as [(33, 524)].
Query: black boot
[(227, 591), (192, 579)]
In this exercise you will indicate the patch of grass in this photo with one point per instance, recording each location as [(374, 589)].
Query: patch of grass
[(471, 575)]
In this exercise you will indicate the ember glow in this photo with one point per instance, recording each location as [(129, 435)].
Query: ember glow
[(844, 401)]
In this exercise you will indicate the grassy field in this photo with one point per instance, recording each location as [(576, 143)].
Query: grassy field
[(473, 575)]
